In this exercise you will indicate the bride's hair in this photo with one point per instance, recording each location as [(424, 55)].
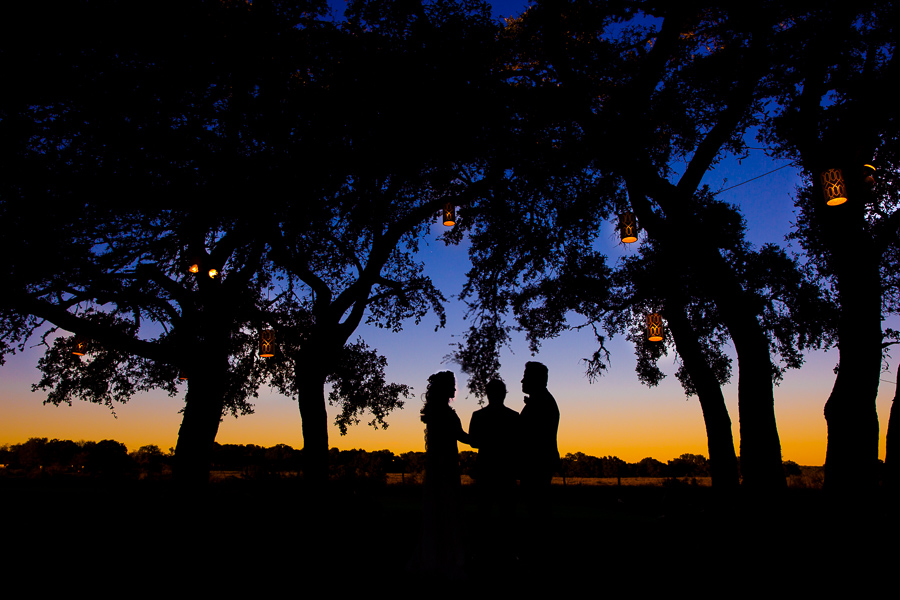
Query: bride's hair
[(439, 391)]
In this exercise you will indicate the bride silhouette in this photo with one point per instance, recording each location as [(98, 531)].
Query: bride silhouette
[(440, 551)]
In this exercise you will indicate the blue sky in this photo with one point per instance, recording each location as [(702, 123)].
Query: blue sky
[(614, 416)]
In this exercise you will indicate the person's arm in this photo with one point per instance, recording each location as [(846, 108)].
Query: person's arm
[(473, 432)]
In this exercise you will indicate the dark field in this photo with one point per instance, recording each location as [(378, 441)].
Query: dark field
[(256, 537)]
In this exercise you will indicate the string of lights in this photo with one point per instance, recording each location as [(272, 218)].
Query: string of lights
[(757, 177)]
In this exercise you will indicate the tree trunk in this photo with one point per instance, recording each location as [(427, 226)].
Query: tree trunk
[(761, 467), (890, 444), (851, 460), (722, 460), (310, 372), (203, 406), (761, 462)]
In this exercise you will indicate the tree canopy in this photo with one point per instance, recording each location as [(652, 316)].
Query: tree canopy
[(161, 154), (267, 169), (625, 108), (832, 117)]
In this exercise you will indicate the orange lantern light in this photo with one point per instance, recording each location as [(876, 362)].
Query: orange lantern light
[(628, 227), (213, 273), (194, 265), (267, 343), (81, 346), (869, 175), (654, 327), (833, 187), (449, 214)]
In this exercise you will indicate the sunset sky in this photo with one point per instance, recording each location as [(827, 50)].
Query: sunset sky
[(614, 416)]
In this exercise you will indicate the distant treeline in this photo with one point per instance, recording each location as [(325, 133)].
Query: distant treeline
[(109, 458)]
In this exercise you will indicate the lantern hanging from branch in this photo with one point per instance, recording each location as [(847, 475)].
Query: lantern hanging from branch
[(869, 175), (267, 343), (654, 327), (213, 273), (81, 346), (449, 214), (194, 265), (628, 227), (833, 187)]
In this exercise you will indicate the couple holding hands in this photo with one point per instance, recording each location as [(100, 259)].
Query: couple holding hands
[(510, 446)]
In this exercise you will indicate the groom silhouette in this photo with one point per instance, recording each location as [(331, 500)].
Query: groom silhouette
[(494, 431), (539, 422)]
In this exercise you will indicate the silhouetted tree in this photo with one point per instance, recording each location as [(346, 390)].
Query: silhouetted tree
[(106, 459), (791, 468), (45, 455), (890, 445), (612, 102), (150, 459), (416, 143), (194, 131), (688, 465), (833, 113), (649, 467), (413, 465), (153, 148)]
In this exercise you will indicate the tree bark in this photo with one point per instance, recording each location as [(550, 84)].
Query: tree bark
[(761, 465), (203, 407), (761, 461), (851, 459), (722, 460), (311, 370), (890, 445)]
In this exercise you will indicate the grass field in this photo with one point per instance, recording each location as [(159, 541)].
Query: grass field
[(253, 536)]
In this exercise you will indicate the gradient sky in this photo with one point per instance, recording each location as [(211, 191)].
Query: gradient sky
[(614, 416)]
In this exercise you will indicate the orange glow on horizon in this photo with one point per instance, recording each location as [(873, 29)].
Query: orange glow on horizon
[(614, 417)]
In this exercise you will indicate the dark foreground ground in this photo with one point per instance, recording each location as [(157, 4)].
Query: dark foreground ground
[(271, 538)]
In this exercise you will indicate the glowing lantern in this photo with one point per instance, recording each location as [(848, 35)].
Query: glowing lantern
[(194, 265), (449, 214), (213, 273), (81, 344), (628, 227), (833, 187), (267, 343), (870, 175), (654, 327)]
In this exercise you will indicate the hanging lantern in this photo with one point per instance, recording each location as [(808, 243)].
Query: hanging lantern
[(628, 227), (833, 187), (267, 343), (213, 273), (869, 175), (654, 327), (81, 346), (194, 265), (449, 214)]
